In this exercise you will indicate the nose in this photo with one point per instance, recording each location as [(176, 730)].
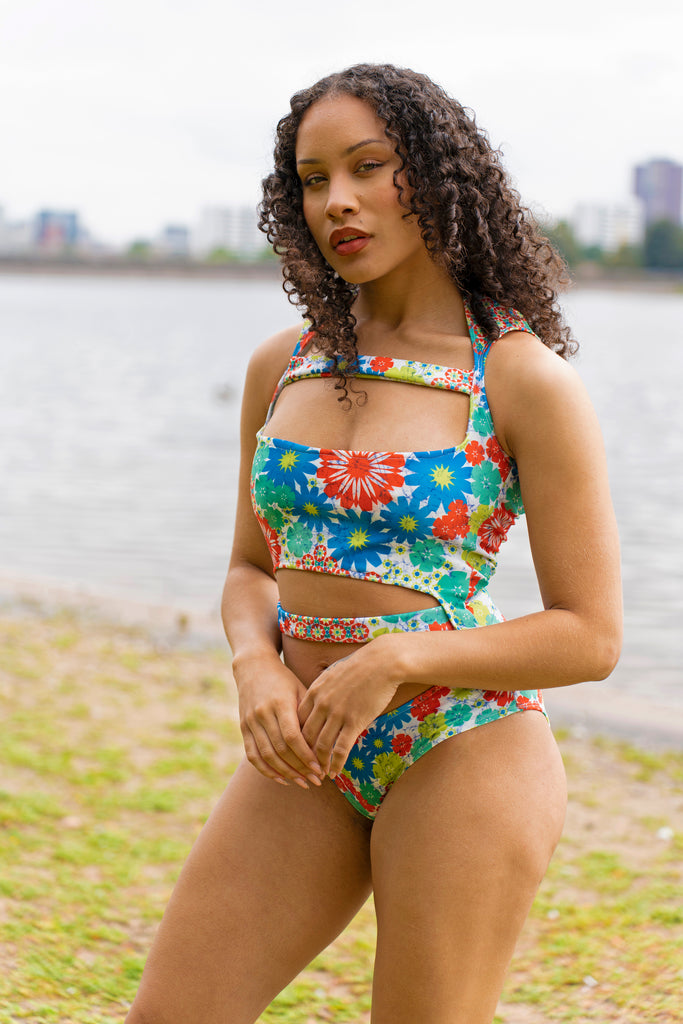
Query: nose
[(341, 198)]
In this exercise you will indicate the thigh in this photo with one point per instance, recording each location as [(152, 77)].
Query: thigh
[(459, 848), (274, 876)]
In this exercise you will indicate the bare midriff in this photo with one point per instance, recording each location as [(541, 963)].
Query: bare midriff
[(309, 593)]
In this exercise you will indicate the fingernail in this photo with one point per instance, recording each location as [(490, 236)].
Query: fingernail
[(317, 769), (300, 782), (281, 781), (314, 779)]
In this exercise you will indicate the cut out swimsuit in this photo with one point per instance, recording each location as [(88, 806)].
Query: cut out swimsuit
[(430, 521)]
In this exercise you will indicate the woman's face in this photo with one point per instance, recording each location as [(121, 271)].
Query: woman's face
[(346, 165)]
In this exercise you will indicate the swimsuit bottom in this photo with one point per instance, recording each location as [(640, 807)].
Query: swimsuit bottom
[(395, 740)]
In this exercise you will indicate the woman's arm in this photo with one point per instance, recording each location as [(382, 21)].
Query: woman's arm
[(269, 694), (545, 420)]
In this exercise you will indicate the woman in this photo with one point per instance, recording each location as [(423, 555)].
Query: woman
[(418, 765)]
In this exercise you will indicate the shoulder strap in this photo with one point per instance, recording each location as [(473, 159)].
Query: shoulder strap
[(305, 336), (507, 320)]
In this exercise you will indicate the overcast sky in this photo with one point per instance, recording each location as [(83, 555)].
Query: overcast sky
[(139, 112)]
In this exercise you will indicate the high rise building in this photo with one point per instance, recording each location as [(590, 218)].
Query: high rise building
[(233, 228), (608, 227), (55, 230), (658, 184)]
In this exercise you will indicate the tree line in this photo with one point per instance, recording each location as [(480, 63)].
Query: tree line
[(661, 248)]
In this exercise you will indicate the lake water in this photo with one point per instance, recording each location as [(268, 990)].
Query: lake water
[(119, 411)]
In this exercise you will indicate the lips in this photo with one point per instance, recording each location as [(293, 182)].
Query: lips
[(346, 241)]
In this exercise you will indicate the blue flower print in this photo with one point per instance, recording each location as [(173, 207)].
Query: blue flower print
[(356, 543), (439, 481), (291, 465), (315, 511), (403, 519)]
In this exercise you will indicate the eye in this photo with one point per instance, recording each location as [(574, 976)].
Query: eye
[(313, 179), (369, 165)]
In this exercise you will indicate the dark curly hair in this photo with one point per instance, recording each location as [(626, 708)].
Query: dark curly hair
[(471, 219)]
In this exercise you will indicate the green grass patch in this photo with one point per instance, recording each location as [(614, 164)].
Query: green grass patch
[(113, 752)]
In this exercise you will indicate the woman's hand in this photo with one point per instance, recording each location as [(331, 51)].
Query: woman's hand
[(345, 699), (269, 696)]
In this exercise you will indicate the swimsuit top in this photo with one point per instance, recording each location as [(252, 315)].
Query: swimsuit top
[(431, 521)]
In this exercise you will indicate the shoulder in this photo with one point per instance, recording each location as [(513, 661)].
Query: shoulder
[(531, 388), (269, 361)]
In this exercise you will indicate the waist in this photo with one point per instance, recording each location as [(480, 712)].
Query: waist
[(359, 629)]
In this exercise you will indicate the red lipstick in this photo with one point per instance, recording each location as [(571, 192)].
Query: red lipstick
[(347, 241)]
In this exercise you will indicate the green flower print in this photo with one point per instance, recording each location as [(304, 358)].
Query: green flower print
[(482, 614), (478, 517), (482, 422), (299, 539), (406, 373), (513, 498), (387, 768), (275, 501), (485, 481), (426, 556), (432, 725), (453, 587), (260, 459)]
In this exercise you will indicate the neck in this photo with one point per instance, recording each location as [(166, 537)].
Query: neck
[(423, 295)]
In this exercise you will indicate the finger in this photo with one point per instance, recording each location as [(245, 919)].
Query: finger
[(326, 742), (255, 759), (269, 754), (342, 748), (276, 749), (296, 746)]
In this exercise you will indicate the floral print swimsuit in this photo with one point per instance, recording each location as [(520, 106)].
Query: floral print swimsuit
[(430, 521)]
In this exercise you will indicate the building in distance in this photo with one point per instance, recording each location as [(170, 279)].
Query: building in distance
[(658, 185), (608, 227), (229, 229)]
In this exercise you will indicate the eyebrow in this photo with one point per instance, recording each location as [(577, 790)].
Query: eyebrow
[(347, 152)]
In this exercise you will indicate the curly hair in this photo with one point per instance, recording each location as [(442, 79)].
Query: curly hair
[(470, 217)]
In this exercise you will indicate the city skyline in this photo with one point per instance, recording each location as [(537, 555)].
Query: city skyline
[(138, 115), (656, 187)]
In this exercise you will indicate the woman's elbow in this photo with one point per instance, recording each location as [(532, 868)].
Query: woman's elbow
[(606, 650)]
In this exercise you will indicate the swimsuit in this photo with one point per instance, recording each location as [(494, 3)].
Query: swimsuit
[(430, 521)]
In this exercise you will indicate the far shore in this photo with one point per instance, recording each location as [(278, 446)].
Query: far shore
[(587, 276)]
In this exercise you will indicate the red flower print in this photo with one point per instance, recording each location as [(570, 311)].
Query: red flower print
[(497, 455), (345, 784), (381, 363), (272, 540), (428, 702), (455, 523), (361, 479), (494, 530), (440, 625), (526, 704), (501, 697), (474, 453), (401, 744)]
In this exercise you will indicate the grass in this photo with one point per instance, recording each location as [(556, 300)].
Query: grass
[(112, 752)]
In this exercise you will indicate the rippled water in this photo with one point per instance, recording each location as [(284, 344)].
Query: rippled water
[(119, 410)]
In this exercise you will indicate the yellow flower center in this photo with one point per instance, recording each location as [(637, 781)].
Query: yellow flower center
[(408, 523), (442, 476), (358, 539)]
